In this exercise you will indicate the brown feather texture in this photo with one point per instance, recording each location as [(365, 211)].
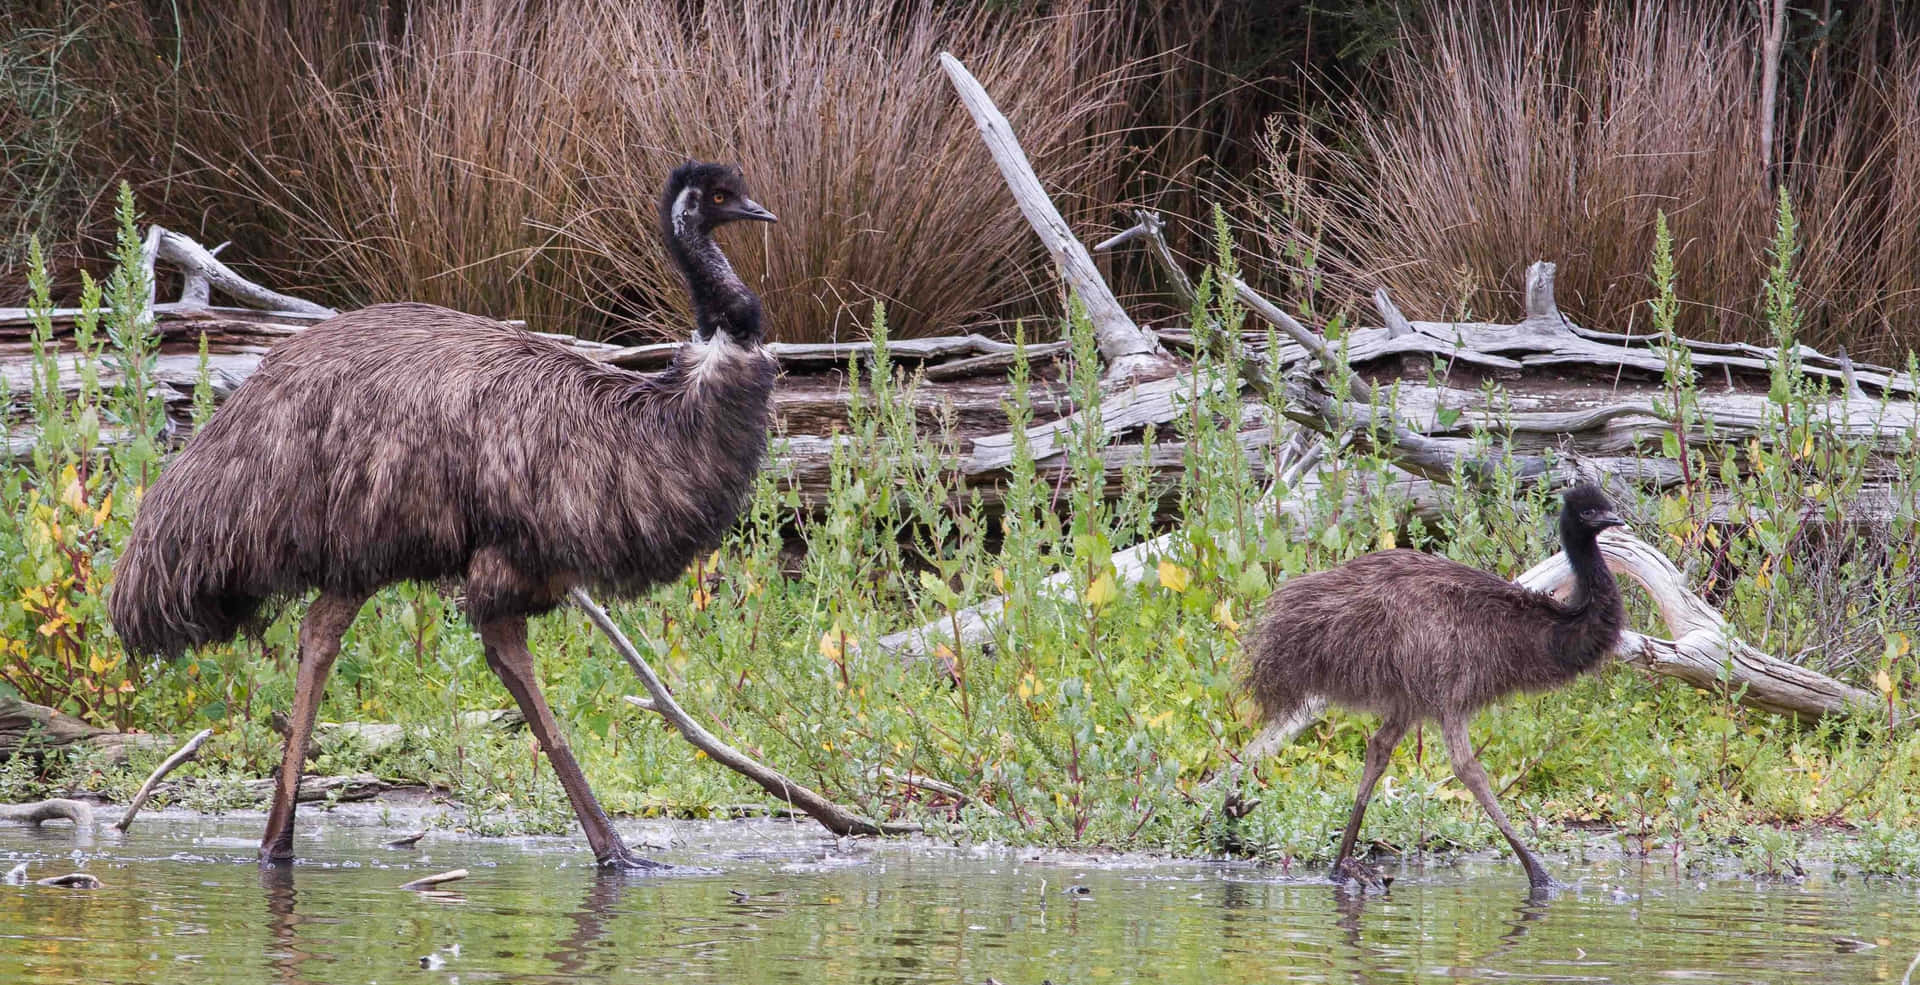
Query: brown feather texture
[(1413, 637), (411, 442)]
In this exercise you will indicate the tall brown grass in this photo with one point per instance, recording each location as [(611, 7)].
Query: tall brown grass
[(1508, 133), (503, 156)]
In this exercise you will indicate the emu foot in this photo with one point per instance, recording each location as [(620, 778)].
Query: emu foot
[(1351, 872), (622, 860), (1540, 885)]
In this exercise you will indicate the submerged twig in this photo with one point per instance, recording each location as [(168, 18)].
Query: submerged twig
[(835, 818), (181, 755), (428, 882)]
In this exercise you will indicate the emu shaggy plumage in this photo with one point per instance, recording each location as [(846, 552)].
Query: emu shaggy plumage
[(1413, 637), (409, 442)]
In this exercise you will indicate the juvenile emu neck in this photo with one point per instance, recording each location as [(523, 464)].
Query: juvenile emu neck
[(1595, 613)]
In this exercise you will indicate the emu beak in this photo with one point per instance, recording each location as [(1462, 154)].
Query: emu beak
[(750, 209), (1608, 519)]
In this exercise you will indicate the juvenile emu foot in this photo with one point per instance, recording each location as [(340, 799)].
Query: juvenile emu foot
[(622, 860), (1366, 878)]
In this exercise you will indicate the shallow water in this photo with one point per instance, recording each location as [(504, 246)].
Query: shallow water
[(182, 902)]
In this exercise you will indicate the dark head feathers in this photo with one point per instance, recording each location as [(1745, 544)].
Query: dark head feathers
[(701, 196), (1585, 511)]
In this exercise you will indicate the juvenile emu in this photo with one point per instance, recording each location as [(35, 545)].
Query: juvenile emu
[(1415, 637), (408, 442)]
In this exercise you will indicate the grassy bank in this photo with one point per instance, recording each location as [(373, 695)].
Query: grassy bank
[(1093, 721)]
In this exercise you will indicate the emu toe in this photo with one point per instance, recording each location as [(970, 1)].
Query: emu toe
[(626, 861), (1351, 872)]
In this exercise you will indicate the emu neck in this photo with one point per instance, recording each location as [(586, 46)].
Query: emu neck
[(1594, 616), (1592, 583), (721, 301)]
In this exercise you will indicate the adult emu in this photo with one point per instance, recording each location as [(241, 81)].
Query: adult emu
[(1415, 637), (408, 442)]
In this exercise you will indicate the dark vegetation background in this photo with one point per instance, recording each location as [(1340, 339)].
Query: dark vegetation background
[(501, 156)]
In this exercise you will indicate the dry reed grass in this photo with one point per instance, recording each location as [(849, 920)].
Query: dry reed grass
[(1530, 132), (503, 156)]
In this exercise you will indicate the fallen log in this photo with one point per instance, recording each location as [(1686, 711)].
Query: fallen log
[(1704, 650), (25, 725), (56, 809)]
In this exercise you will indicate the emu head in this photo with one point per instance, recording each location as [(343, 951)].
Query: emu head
[(1584, 512), (702, 197)]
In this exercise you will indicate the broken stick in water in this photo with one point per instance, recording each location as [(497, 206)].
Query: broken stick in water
[(837, 819), (407, 840), (72, 880), (428, 882), (181, 755)]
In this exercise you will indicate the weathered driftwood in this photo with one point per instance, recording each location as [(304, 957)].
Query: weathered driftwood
[(23, 722), (56, 809), (184, 754), (342, 789), (1127, 351), (835, 818), (1703, 650), (201, 271)]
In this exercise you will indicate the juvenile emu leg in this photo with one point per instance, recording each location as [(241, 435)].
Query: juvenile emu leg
[(320, 632), (1467, 767), (1379, 751), (506, 646)]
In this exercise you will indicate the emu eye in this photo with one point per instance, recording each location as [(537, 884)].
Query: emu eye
[(719, 198)]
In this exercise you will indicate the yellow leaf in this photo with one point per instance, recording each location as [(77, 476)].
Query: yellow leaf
[(701, 597), (106, 507), (1160, 719), (1103, 590), (834, 643), (75, 497), (1882, 681), (1174, 576), (99, 664), (1223, 614), (1000, 580), (1387, 539)]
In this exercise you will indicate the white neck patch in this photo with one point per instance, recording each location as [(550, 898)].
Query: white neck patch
[(683, 208)]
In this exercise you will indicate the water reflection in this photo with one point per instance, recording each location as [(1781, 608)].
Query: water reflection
[(183, 907)]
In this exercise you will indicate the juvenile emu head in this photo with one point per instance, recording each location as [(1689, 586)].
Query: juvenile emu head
[(1585, 511)]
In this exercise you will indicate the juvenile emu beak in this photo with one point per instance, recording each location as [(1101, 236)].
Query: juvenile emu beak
[(1608, 518), (750, 209)]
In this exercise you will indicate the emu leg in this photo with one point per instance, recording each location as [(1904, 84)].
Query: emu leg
[(326, 622), (1379, 752), (1467, 767), (506, 647)]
